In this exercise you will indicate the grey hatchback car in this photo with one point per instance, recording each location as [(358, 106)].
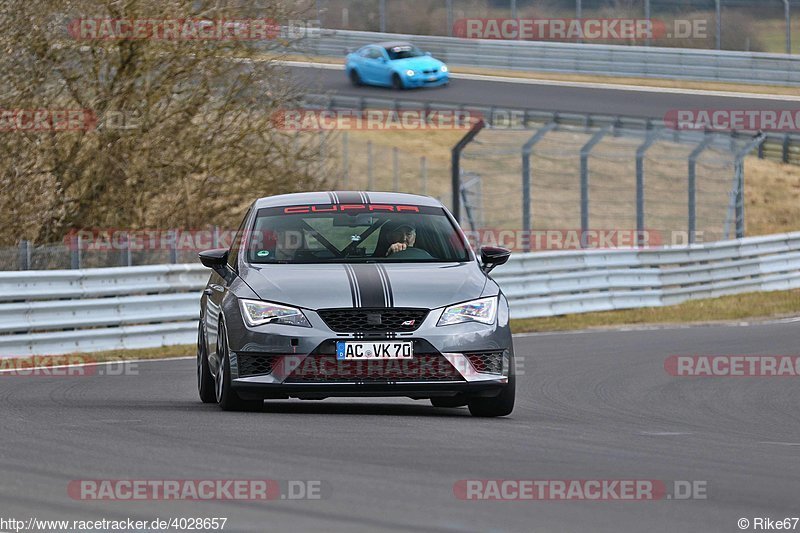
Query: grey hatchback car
[(331, 294)]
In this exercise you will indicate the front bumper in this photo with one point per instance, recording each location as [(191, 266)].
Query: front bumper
[(427, 80), (292, 350)]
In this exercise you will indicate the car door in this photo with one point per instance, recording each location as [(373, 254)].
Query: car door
[(375, 66), (215, 292)]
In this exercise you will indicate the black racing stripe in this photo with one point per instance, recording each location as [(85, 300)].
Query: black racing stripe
[(366, 197), (388, 285), (370, 286), (351, 281), (331, 198), (349, 197)]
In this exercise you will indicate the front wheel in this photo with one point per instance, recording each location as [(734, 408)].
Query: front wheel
[(205, 381), (500, 405), (397, 82), (226, 397), (355, 79)]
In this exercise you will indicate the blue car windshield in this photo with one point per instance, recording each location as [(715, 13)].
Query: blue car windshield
[(341, 233), (404, 52)]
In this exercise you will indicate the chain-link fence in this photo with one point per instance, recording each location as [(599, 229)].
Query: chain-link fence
[(659, 186)]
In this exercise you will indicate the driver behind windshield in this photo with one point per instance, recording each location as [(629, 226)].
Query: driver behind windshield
[(402, 237)]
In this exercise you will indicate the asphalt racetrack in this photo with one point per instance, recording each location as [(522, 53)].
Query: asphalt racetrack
[(592, 405), (550, 96)]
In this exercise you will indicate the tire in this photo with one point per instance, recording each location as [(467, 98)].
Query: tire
[(500, 405), (449, 401), (205, 381), (355, 79), (225, 396), (397, 83)]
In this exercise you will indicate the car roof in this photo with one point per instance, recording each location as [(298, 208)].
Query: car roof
[(390, 44), (340, 197)]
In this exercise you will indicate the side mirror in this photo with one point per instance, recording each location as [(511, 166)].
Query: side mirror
[(427, 53), (215, 259), (493, 256)]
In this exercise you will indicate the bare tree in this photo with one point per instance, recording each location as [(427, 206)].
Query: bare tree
[(167, 132)]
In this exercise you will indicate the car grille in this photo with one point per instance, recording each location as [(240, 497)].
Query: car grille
[(486, 362), (365, 320), (327, 369), (430, 71), (254, 365)]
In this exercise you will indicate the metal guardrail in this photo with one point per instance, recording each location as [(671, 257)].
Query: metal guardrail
[(556, 283), (50, 312), (58, 312), (608, 60)]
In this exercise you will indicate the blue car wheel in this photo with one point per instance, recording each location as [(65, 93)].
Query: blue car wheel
[(355, 79), (397, 81)]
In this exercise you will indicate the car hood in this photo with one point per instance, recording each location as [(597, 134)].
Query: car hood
[(417, 63), (366, 284)]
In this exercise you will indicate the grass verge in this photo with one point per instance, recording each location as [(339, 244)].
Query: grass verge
[(162, 352), (754, 305)]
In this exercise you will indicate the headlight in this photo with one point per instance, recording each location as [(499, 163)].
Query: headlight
[(409, 72), (256, 313), (444, 68), (483, 311)]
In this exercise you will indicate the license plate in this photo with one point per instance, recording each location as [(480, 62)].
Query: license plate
[(432, 78), (374, 350)]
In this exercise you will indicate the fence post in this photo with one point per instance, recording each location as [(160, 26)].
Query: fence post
[(370, 179), (395, 169), (736, 203), (649, 22), (788, 15), (173, 247), (124, 252), (75, 255), (692, 185), (345, 161), (382, 14), (423, 174), (578, 14), (718, 17), (585, 151), (455, 165), (24, 255), (652, 136), (526, 178), (449, 9)]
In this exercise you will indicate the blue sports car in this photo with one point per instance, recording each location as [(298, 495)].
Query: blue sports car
[(395, 64)]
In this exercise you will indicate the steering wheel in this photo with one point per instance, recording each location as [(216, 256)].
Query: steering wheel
[(411, 253)]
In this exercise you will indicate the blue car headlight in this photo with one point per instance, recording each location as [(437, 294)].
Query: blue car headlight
[(444, 68), (410, 73), (256, 313), (483, 310)]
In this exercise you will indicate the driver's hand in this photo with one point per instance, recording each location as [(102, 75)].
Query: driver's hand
[(397, 247)]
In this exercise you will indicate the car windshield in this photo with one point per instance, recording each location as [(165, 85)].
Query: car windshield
[(354, 233), (403, 52)]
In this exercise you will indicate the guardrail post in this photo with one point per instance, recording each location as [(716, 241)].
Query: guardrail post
[(24, 255), (652, 136), (585, 151), (455, 165), (527, 148), (692, 184)]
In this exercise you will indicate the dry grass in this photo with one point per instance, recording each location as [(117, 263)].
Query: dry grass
[(164, 352), (756, 305)]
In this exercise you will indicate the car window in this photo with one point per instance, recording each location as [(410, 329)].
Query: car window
[(364, 52), (404, 52), (233, 253), (375, 53), (325, 233)]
